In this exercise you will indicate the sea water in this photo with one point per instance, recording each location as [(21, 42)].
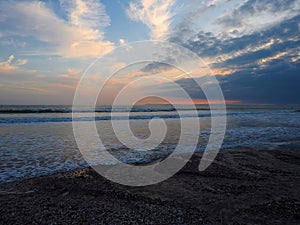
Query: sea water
[(39, 140)]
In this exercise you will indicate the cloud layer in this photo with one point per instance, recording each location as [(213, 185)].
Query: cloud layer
[(79, 35), (251, 46), (263, 66)]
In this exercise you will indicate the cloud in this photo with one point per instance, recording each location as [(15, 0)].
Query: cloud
[(13, 43), (10, 59), (12, 74), (71, 73), (23, 86), (252, 16), (279, 82), (21, 62), (252, 48), (80, 35), (261, 67), (156, 68), (6, 66), (18, 83), (231, 18), (86, 13), (192, 12), (122, 41), (13, 87), (155, 14), (89, 48), (117, 66), (238, 51)]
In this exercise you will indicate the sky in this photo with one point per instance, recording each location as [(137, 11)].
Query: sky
[(250, 46)]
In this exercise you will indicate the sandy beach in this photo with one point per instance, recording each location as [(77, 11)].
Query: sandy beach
[(242, 186), (95, 94)]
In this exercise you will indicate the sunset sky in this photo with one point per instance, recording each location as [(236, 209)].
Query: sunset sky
[(251, 46)]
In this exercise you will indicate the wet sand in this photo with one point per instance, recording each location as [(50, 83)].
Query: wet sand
[(242, 186)]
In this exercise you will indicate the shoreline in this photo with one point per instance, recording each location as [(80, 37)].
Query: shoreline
[(241, 186)]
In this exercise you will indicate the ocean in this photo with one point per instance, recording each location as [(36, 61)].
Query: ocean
[(39, 140)]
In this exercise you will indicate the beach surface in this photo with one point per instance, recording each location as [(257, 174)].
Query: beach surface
[(242, 186)]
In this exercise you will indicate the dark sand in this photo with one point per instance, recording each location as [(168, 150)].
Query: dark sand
[(240, 187)]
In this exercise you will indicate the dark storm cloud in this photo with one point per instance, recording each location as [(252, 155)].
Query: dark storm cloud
[(156, 67)]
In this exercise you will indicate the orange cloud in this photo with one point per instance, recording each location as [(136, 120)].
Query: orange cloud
[(7, 67), (89, 48), (81, 34), (12, 87), (71, 73), (222, 72), (160, 101)]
